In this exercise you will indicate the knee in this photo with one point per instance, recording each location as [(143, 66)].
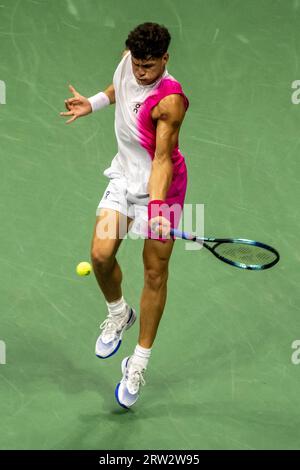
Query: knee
[(155, 279), (102, 260)]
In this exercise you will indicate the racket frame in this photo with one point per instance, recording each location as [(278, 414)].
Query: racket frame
[(218, 241)]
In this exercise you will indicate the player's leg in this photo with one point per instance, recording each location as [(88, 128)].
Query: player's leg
[(105, 244), (110, 228), (156, 256)]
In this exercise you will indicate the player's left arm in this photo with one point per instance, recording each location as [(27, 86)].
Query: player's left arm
[(172, 112)]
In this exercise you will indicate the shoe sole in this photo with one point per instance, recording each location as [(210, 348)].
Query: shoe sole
[(117, 397), (130, 322), (123, 366)]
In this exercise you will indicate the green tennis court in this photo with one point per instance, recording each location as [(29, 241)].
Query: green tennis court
[(221, 374)]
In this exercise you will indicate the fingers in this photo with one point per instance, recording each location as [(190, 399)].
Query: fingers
[(72, 101), (69, 113), (69, 104), (154, 224), (72, 90), (72, 119), (160, 226), (164, 231)]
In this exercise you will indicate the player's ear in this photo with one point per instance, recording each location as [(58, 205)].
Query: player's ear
[(165, 57)]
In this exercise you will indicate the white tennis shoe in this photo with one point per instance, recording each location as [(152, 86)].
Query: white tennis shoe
[(113, 328), (127, 391)]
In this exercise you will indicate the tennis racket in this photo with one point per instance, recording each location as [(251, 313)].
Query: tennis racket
[(238, 252)]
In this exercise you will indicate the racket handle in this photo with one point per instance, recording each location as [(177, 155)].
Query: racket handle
[(179, 234)]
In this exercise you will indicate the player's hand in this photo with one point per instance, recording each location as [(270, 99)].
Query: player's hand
[(77, 106), (160, 226)]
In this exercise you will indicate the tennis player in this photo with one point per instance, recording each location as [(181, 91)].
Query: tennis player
[(147, 177)]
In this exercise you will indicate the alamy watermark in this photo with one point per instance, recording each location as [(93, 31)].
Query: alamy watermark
[(189, 219), (295, 97), (2, 352), (295, 358), (2, 92)]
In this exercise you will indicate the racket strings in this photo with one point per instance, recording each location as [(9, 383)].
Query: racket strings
[(246, 254)]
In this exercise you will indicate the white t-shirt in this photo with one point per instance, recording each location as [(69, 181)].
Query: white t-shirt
[(134, 128)]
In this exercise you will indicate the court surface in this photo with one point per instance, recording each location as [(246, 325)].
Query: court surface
[(220, 375)]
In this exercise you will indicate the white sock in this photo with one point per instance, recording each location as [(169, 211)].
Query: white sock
[(116, 307), (141, 356)]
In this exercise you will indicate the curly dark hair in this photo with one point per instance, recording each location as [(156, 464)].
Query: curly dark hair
[(148, 40)]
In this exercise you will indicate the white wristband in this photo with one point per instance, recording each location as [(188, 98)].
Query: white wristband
[(99, 101)]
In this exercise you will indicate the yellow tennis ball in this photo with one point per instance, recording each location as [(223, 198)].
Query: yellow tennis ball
[(83, 269)]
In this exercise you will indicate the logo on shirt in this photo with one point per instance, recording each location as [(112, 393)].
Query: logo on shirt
[(136, 108)]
